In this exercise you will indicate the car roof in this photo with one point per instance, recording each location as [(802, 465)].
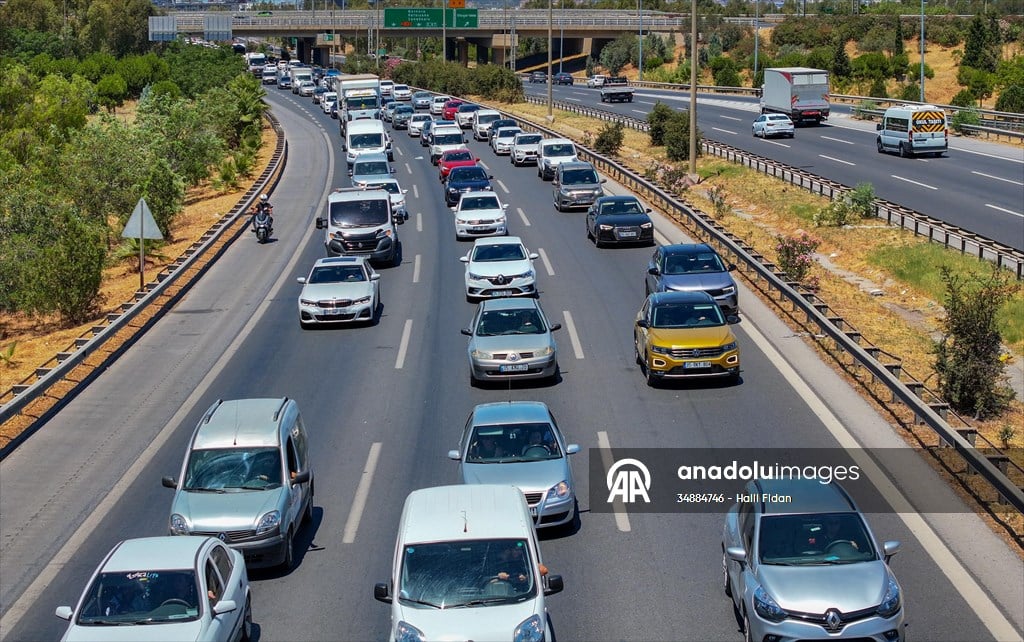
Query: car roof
[(696, 296), (480, 192), (555, 140), (373, 157), (356, 194), (485, 111), (340, 260), (365, 125), (501, 412), (622, 198), (465, 512), (576, 165), (241, 422), (498, 240), (806, 496), (145, 553), (685, 249)]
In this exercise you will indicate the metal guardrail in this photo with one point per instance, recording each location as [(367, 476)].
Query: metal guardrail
[(934, 230), (924, 406), (183, 272)]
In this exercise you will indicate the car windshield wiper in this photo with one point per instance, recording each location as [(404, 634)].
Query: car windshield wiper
[(194, 489), (267, 487), (423, 602), (105, 622), (480, 602)]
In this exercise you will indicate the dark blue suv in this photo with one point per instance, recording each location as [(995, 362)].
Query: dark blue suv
[(465, 179)]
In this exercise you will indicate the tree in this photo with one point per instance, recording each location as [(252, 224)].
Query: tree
[(677, 137), (119, 27), (31, 15), (977, 47), (967, 356), (841, 61), (609, 139), (656, 119), (111, 91), (898, 37), (1011, 100)]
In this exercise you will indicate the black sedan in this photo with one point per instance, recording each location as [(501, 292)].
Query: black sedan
[(619, 219), (465, 179), (538, 76), (562, 78)]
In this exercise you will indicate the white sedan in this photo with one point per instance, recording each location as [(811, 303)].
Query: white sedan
[(416, 123), (164, 588), (499, 267), (480, 214), (773, 125), (401, 92), (339, 289)]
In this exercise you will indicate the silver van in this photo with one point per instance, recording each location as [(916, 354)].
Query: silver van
[(246, 480), (913, 129)]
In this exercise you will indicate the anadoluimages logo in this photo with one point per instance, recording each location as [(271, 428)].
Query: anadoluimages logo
[(628, 480)]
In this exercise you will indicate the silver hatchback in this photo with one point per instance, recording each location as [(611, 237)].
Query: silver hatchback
[(692, 267), (511, 339), (518, 443)]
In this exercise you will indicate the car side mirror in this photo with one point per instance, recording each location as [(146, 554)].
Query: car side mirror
[(466, 331), (732, 266), (405, 191), (169, 482), (554, 585), (64, 612), (878, 126), (889, 549), (642, 323), (301, 478), (504, 206), (224, 606), (454, 454), (647, 210), (301, 279), (375, 276), (654, 271), (321, 223), (464, 259), (555, 183), (736, 554), (572, 449), (604, 180), (350, 173), (381, 593), (534, 256), (555, 326), (732, 319), (490, 176), (393, 170)]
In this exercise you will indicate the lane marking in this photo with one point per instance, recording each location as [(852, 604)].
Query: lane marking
[(638, 111), (502, 186), (838, 160), (415, 191), (577, 348), (399, 150), (995, 156), (724, 131), (408, 169), (416, 269), (838, 140), (775, 142), (728, 117), (998, 178), (419, 222), (522, 215), (619, 509), (483, 164), (1003, 209), (143, 464), (403, 347), (647, 102), (575, 100), (547, 263), (907, 180), (961, 580), (362, 493)]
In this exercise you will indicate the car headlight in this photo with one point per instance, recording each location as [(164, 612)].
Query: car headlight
[(268, 522), (361, 300), (525, 275), (545, 351), (480, 354), (605, 228), (178, 525), (476, 277), (499, 221), (383, 233), (729, 347), (661, 349), (892, 601), (646, 226), (406, 632), (452, 190), (488, 188), (729, 290), (561, 489), (530, 630), (307, 302), (766, 607)]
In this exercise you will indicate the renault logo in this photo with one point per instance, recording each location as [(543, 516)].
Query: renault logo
[(501, 280), (223, 537), (833, 620), (513, 356)]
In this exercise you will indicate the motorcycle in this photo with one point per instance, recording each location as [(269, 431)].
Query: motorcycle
[(262, 224)]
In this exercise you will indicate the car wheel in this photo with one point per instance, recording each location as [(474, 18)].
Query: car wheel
[(903, 151), (652, 381), (636, 354), (647, 289), (247, 620), (289, 552), (734, 378), (725, 575), (590, 237), (473, 383), (753, 132), (747, 636), (878, 143), (303, 325)]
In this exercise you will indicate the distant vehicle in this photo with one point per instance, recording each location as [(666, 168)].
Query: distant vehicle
[(454, 158), (264, 14), (619, 219), (422, 99), (284, 81), (451, 108), (576, 185), (361, 222), (256, 61), (437, 104), (306, 88), (538, 76), (369, 168), (562, 78), (798, 92), (472, 178), (524, 148), (597, 80), (552, 153), (400, 116), (913, 129), (482, 120), (401, 92), (616, 90), (480, 214), (773, 125), (464, 115), (501, 139), (416, 122), (269, 76)]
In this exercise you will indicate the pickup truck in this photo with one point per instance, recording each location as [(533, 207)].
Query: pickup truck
[(595, 81), (616, 90)]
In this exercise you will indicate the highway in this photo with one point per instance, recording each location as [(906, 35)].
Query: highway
[(384, 404), (978, 186)]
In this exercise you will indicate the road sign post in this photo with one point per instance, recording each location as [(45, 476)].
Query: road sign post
[(142, 225)]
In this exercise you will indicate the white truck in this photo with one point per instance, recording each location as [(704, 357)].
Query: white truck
[(616, 90), (801, 93), (256, 61), (358, 98), (299, 75)]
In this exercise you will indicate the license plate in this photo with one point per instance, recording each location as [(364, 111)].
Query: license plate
[(519, 367), (627, 234), (333, 311), (502, 293), (481, 228), (696, 364)]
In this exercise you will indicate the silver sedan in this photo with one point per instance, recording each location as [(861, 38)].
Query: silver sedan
[(518, 443), (511, 339)]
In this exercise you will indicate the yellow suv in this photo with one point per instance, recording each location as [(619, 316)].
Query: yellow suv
[(682, 335)]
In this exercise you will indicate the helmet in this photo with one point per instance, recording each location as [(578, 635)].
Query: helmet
[(264, 198)]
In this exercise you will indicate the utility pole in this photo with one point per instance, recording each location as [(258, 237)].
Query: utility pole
[(757, 37), (640, 36), (693, 89), (922, 50), (551, 42), (444, 30)]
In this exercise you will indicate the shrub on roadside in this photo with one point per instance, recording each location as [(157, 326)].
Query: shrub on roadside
[(609, 139)]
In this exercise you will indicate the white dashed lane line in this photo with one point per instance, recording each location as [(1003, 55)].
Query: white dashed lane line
[(419, 222), (998, 178), (836, 160), (907, 180), (577, 347), (522, 215), (621, 517), (415, 191), (1003, 209), (362, 493), (502, 186), (547, 263), (408, 170), (724, 131), (403, 347), (837, 140), (416, 269), (728, 117)]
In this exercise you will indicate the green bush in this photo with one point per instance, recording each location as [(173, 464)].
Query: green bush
[(1011, 100), (911, 92), (963, 98), (964, 117), (656, 119), (878, 89), (677, 137), (609, 139)]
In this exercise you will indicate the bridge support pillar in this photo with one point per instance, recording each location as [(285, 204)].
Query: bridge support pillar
[(483, 54), (463, 52), (304, 49)]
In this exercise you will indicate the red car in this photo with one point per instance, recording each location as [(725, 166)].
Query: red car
[(450, 107), (454, 158)]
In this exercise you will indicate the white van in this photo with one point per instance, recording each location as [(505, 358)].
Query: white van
[(361, 222), (366, 136), (552, 152), (913, 129), (467, 546)]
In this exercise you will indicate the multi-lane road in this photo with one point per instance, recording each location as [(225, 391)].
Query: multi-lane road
[(385, 403), (978, 186)]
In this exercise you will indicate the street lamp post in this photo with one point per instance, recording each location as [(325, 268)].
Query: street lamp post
[(376, 39), (922, 50), (444, 30), (640, 37), (551, 41), (693, 88), (561, 39), (757, 34)]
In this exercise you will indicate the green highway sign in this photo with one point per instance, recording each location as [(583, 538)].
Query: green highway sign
[(417, 18), (327, 37)]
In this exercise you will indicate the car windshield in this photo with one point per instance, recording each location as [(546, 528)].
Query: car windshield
[(371, 168), (390, 188), (580, 177), (487, 118), (401, 88), (498, 252), (479, 203), (510, 443), (529, 139), (222, 469), (465, 108), (559, 149), (508, 133), (448, 139), (495, 323), (687, 315), (403, 109), (475, 173), (419, 95), (141, 597), (337, 274), (361, 102), (826, 538), (622, 207), (366, 141), (420, 118), (460, 155), (445, 575), (699, 263), (365, 213)]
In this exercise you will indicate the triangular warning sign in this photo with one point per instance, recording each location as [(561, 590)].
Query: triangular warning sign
[(141, 224)]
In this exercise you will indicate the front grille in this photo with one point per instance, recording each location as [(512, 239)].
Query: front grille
[(501, 356), (334, 303), (348, 316), (533, 498), (845, 618), (716, 293), (355, 246), (232, 536), (695, 353)]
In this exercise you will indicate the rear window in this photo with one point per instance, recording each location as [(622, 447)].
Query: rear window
[(370, 167), (468, 174)]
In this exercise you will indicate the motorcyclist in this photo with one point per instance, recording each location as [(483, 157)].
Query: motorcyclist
[(262, 209)]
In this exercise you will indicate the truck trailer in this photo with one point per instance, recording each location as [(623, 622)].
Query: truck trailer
[(801, 93)]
